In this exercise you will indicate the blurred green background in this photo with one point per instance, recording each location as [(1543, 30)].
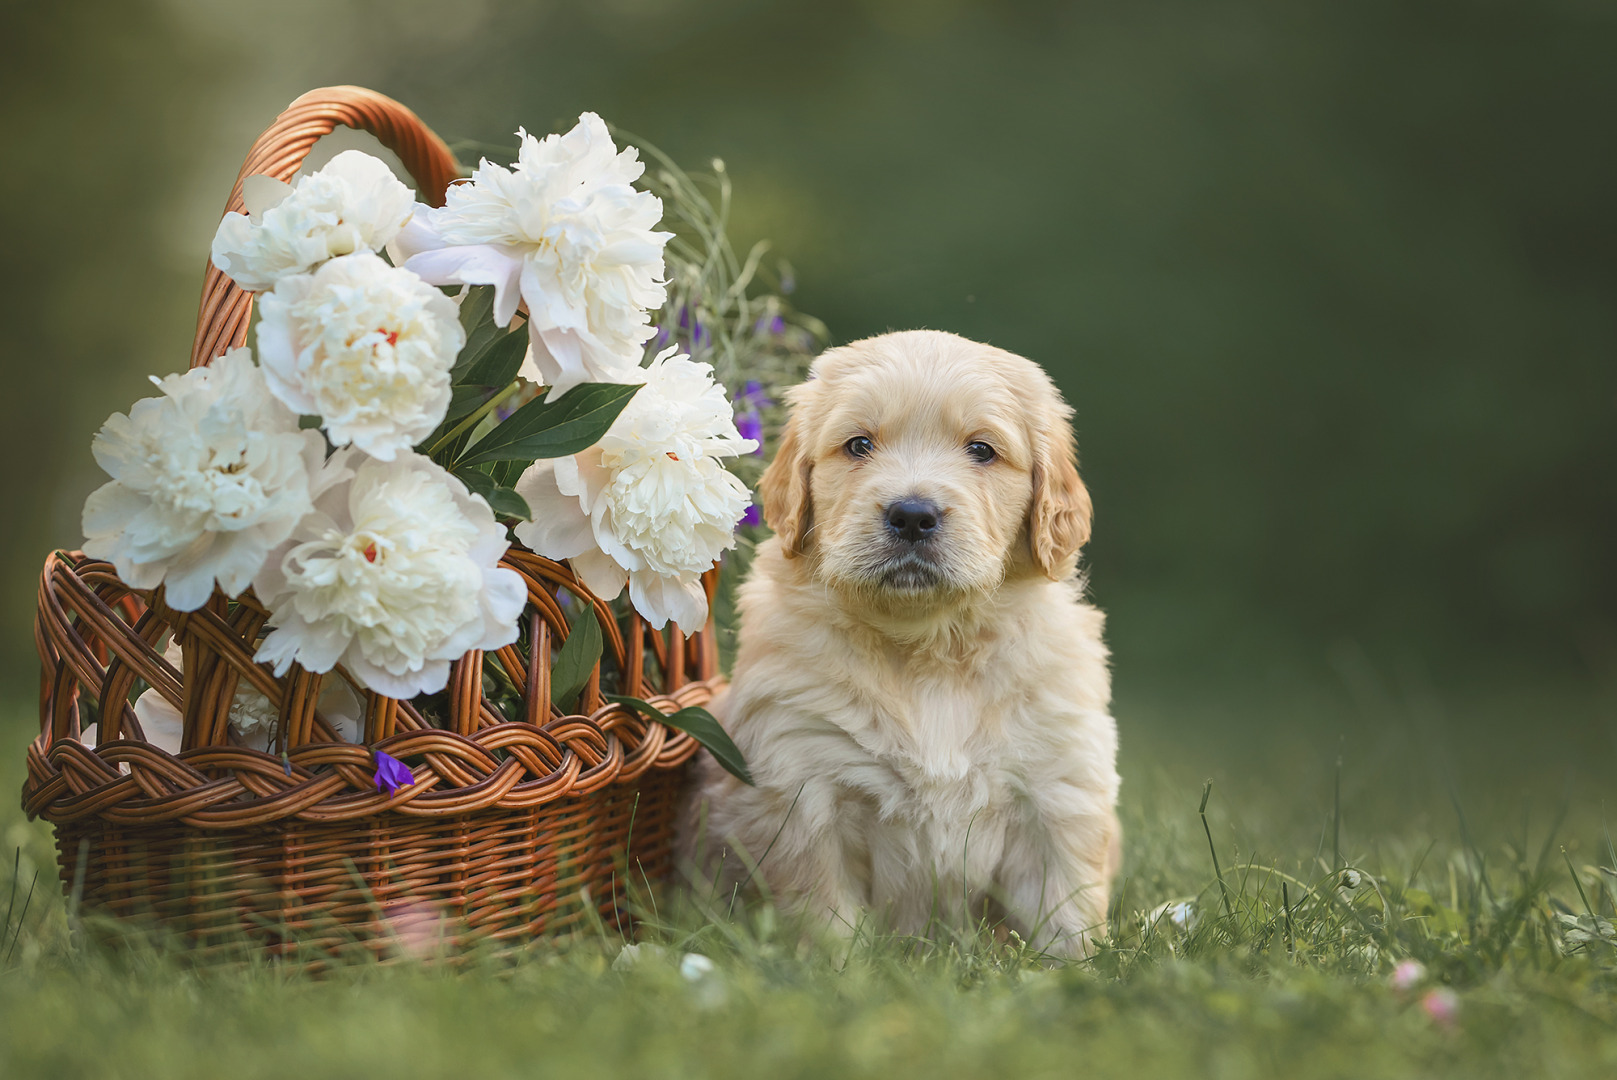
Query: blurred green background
[(1332, 286)]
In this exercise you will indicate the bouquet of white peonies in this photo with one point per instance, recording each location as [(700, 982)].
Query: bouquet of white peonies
[(533, 360)]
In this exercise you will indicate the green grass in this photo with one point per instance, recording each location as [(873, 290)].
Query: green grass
[(1476, 856)]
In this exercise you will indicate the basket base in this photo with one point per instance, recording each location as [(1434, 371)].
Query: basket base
[(386, 886)]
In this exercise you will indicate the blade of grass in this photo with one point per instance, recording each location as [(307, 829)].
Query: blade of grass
[(1576, 880), (1223, 891), (16, 937), (1285, 906)]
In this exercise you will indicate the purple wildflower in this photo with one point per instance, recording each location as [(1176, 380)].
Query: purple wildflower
[(777, 326), (752, 428), (752, 396), (752, 516), (391, 773), (661, 339)]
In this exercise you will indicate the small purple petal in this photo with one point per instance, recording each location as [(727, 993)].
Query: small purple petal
[(391, 773), (752, 516), (661, 339), (750, 427), (684, 317), (777, 325)]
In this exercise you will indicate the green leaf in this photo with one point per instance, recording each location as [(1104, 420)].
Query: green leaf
[(446, 454), (700, 725), (477, 319), (463, 401), (504, 501), (485, 370), (576, 659), (507, 473), (498, 364), (554, 429), (477, 308)]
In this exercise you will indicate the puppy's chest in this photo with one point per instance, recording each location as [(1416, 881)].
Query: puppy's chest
[(942, 753)]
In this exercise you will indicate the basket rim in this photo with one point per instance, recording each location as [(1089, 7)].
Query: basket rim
[(504, 765), (68, 781)]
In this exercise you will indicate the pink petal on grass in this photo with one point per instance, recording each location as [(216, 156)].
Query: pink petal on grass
[(1442, 1006)]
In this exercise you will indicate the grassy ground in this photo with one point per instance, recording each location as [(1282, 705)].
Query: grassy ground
[(1446, 839)]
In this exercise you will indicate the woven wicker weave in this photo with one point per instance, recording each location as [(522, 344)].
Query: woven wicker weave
[(515, 825)]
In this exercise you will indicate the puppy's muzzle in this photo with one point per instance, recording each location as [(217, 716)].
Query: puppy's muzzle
[(912, 525), (913, 521)]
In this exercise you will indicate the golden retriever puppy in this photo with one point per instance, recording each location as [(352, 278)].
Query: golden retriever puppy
[(920, 690)]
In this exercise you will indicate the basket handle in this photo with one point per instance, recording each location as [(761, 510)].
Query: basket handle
[(280, 150)]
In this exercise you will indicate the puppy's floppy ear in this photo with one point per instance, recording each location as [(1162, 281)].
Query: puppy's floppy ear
[(788, 506), (1060, 514)]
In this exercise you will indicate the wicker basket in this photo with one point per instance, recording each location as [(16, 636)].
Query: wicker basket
[(515, 825)]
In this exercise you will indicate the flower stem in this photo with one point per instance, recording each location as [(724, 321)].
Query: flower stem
[(470, 422)]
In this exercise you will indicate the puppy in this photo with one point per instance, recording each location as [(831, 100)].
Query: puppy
[(920, 690)]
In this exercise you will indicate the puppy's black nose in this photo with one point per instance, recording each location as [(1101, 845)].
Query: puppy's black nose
[(913, 520)]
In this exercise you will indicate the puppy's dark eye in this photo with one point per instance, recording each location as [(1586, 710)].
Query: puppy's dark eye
[(859, 446), (980, 452)]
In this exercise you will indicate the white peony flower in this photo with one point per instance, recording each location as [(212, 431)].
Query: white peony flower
[(364, 345), (566, 229), (354, 203), (393, 575), (206, 479), (649, 504), (253, 720)]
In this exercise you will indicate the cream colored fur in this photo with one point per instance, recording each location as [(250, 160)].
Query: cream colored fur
[(934, 751)]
